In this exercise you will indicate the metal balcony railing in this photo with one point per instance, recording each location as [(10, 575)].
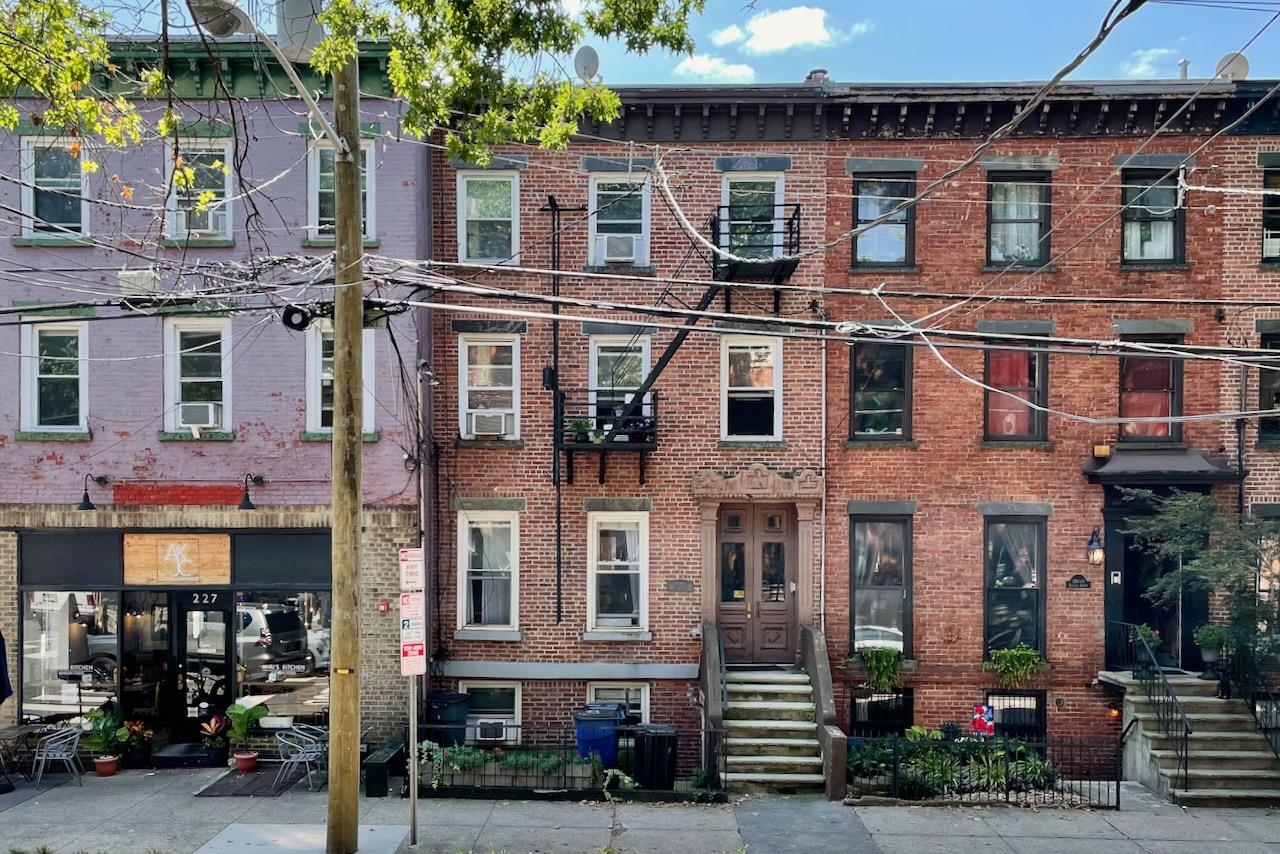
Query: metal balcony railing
[(765, 237)]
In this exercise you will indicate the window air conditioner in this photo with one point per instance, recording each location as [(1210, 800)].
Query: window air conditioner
[(620, 249), (199, 414), (210, 222), (138, 283), (488, 423), (491, 729)]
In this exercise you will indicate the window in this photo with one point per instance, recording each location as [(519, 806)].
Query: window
[(197, 374), (493, 715), (489, 387), (488, 217), (751, 379), (52, 194), (55, 382), (1018, 714), (200, 175), (1023, 374), (322, 198), (283, 640), (753, 215), (1150, 387), (63, 630), (1018, 227), (1015, 560), (1269, 392), (892, 242), (1271, 215), (617, 571), (880, 580), (488, 571), (619, 363), (320, 377), (881, 393), (633, 695), (882, 714), (1153, 221), (619, 221)]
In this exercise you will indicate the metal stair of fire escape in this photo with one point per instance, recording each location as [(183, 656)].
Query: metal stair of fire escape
[(772, 734), (1229, 762)]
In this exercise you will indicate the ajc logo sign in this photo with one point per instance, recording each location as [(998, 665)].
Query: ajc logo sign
[(166, 560)]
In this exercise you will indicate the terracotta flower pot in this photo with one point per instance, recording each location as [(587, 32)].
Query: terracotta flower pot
[(246, 760), (106, 766)]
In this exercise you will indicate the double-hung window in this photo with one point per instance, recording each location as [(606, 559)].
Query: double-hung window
[(55, 382), (1018, 224), (489, 386), (619, 220), (634, 697), (322, 202), (320, 378), (489, 217), (1014, 572), (1019, 375), (618, 572), (880, 578), (751, 387), (753, 215), (197, 374), (488, 569), (1150, 391), (200, 180), (1271, 216), (619, 363), (1269, 392), (53, 201), (493, 714), (880, 397), (1154, 227), (890, 243)]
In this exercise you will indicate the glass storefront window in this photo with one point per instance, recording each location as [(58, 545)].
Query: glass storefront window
[(69, 652), (282, 650)]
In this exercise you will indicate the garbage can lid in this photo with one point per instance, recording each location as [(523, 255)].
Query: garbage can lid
[(447, 697), (595, 715)]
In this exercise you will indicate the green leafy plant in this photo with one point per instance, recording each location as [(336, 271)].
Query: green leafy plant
[(1144, 632), (104, 722), (465, 758), (1014, 667), (580, 428), (213, 732), (1210, 636), (544, 761), (882, 665), (241, 718), (615, 778), (919, 733)]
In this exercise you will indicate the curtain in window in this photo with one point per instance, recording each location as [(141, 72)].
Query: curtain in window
[(1015, 222), (489, 574), (1146, 392), (1014, 371), (1013, 584), (618, 577)]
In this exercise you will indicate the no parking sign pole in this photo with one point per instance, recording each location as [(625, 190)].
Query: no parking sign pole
[(413, 660)]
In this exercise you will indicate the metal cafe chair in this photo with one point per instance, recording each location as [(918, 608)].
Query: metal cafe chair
[(312, 732), (59, 747), (297, 749)]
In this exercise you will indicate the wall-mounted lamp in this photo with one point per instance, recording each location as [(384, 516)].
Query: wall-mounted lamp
[(85, 503), (1095, 549), (1113, 710), (245, 502)]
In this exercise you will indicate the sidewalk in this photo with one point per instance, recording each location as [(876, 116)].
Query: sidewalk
[(156, 813)]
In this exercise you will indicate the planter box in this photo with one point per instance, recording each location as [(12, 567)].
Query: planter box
[(496, 775)]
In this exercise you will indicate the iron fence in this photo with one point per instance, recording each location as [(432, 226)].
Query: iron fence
[(1127, 648), (1249, 667), (986, 771)]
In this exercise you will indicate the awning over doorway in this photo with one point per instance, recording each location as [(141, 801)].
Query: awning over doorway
[(1160, 467)]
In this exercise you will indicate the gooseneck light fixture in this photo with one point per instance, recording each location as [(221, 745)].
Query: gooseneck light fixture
[(246, 503), (85, 503), (1095, 549)]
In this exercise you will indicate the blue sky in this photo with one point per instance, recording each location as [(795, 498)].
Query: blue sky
[(778, 41)]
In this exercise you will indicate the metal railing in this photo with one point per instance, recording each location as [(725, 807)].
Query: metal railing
[(1127, 649), (987, 771), (762, 235), (1248, 672), (590, 416)]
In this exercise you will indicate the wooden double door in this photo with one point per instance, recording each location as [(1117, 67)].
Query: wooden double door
[(756, 614)]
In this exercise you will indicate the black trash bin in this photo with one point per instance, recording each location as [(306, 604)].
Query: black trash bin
[(655, 763), (446, 718)]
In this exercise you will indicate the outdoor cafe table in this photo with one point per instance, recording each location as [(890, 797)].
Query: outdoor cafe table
[(14, 741)]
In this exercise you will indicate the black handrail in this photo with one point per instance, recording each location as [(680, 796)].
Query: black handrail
[(1127, 649), (1249, 680)]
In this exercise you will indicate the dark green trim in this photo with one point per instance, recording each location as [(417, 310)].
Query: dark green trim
[(329, 243), (50, 241), (1265, 511), (368, 130), (206, 129), (1268, 160), (205, 436), (326, 436), (26, 128), (203, 308), (50, 308), (1266, 326), (197, 242), (52, 436)]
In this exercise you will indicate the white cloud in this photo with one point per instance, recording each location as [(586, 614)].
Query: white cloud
[(861, 28), (575, 8), (799, 26), (714, 69), (1143, 63), (729, 35)]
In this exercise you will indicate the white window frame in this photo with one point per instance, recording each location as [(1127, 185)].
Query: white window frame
[(518, 707), (728, 341), (465, 518), (595, 521), (368, 369), (594, 344), (28, 169), (489, 174), (172, 327), (595, 180), (29, 380), (464, 391), (644, 694), (171, 205), (778, 200), (313, 189)]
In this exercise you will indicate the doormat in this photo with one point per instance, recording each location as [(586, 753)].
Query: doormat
[(258, 783)]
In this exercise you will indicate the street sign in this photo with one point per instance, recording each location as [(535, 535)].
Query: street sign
[(413, 659), (413, 633), (412, 570), (413, 606)]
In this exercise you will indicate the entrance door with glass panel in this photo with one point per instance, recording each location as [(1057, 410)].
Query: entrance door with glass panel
[(202, 632), (757, 613)]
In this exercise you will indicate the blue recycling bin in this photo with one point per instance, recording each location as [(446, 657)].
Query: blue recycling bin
[(597, 732)]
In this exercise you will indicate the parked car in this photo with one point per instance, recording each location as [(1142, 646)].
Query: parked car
[(271, 639)]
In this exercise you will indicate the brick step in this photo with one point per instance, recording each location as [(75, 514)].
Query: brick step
[(743, 746), (777, 677), (1218, 778), (768, 710), (1258, 760), (1227, 798)]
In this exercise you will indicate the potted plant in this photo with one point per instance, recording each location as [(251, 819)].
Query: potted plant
[(581, 430), (134, 741), (882, 665), (1211, 639), (213, 734), (1014, 667), (106, 764), (638, 428), (242, 717)]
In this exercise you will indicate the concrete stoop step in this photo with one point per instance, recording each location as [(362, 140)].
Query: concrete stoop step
[(772, 740), (1228, 798)]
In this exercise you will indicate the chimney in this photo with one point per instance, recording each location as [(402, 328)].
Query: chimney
[(1183, 65), (817, 75)]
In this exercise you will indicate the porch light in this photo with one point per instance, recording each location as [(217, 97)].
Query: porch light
[(246, 503), (1094, 549), (85, 503)]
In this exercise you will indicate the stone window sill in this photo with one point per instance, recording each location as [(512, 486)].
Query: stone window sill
[(53, 436), (1163, 267), (490, 443), (1020, 268), (197, 242), (617, 636), (329, 243), (1018, 444), (756, 444), (885, 270), (1268, 445), (881, 443), (37, 240), (505, 635), (205, 436), (327, 436)]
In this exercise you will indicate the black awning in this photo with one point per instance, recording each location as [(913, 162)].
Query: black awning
[(1161, 467)]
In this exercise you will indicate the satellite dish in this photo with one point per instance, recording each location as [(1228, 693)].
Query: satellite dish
[(586, 62), (1233, 67)]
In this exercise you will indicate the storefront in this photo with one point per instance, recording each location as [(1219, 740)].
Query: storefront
[(174, 624)]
